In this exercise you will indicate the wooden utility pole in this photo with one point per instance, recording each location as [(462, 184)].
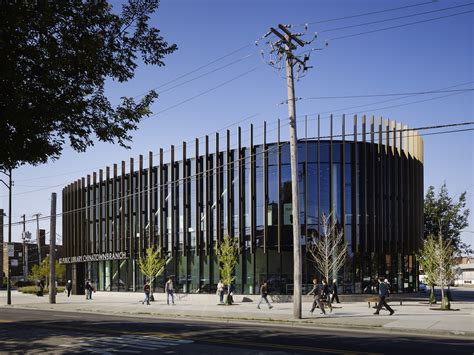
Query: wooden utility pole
[(38, 238), (52, 251), (9, 286), (10, 249), (286, 40), (1, 245), (25, 253)]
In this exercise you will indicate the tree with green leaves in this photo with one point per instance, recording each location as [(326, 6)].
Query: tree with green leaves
[(41, 271), (443, 214), (437, 258), (152, 265), (428, 265), (227, 254), (56, 59)]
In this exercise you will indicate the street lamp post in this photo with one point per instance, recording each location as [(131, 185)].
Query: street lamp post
[(9, 187)]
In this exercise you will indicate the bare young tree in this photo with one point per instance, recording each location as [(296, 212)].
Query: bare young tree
[(328, 251)]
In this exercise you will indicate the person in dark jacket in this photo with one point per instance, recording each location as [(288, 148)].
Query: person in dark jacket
[(89, 290), (334, 292), (40, 291), (383, 293), (264, 295), (146, 290), (327, 293), (230, 296), (69, 287), (317, 293)]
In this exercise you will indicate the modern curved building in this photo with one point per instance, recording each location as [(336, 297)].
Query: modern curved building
[(370, 179)]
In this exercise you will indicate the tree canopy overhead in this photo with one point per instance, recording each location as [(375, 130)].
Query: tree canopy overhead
[(445, 216), (55, 58)]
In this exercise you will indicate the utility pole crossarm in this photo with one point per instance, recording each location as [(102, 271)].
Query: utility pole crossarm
[(283, 39), (291, 36)]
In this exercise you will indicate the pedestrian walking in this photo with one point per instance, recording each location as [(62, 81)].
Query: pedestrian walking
[(264, 295), (146, 290), (230, 296), (89, 290), (40, 291), (169, 289), (389, 287), (334, 295), (383, 292), (220, 291), (317, 293), (327, 293), (69, 287)]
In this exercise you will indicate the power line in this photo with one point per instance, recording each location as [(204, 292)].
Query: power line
[(414, 102), (251, 44), (445, 89), (239, 49), (382, 95), (328, 30), (145, 158), (204, 92), (385, 107), (246, 160), (399, 26), (254, 115), (394, 18), (207, 73), (451, 131), (37, 190), (197, 69), (369, 13)]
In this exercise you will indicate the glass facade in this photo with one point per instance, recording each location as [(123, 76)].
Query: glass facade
[(186, 206)]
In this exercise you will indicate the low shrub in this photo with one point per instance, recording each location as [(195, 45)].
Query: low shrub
[(34, 289), (20, 284)]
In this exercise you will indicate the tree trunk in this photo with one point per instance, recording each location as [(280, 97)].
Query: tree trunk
[(432, 295), (444, 301), (152, 298), (228, 299), (448, 294)]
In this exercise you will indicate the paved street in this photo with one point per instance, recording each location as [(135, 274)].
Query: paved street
[(118, 322), (34, 331), (412, 317)]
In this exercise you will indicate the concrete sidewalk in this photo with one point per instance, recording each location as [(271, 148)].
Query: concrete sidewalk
[(413, 317)]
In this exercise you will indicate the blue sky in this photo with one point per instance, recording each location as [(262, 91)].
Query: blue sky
[(428, 56)]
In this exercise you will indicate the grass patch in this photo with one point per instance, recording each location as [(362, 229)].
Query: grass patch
[(33, 289)]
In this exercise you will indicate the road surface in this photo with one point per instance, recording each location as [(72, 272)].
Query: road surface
[(32, 331)]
